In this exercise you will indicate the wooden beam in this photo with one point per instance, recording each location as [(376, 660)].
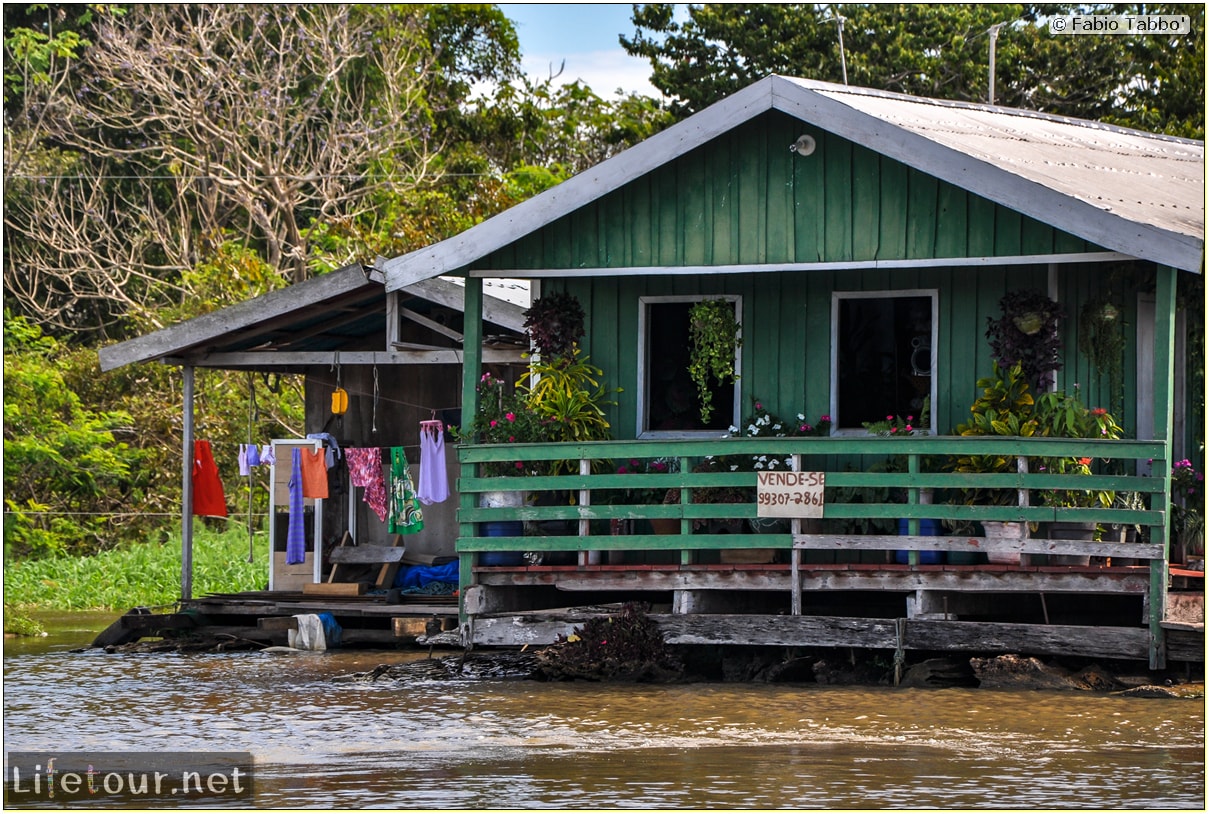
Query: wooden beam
[(431, 324), (820, 267), (270, 359)]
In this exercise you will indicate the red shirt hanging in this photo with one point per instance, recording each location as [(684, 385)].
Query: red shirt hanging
[(208, 498)]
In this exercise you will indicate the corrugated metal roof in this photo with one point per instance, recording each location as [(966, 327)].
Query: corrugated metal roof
[(1131, 192), (1144, 177)]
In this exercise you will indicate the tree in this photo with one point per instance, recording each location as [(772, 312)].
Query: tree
[(934, 50), (183, 127)]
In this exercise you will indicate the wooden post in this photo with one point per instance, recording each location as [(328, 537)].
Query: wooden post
[(187, 486), (795, 555), (1164, 409), (472, 371)]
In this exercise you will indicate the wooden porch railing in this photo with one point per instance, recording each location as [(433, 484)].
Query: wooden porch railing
[(595, 497)]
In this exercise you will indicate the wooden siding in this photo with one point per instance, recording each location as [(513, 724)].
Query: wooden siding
[(744, 198), (786, 354)]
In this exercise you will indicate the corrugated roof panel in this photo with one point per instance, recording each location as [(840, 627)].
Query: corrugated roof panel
[(1145, 178)]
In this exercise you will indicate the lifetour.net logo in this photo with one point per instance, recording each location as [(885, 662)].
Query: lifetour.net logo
[(127, 779)]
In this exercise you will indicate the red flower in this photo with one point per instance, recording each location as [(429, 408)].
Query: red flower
[(1085, 461)]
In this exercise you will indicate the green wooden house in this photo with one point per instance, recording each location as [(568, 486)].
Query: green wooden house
[(863, 239)]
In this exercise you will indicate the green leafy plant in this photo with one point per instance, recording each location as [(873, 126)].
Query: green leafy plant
[(1005, 407), (1059, 415), (1102, 341), (566, 395), (714, 334)]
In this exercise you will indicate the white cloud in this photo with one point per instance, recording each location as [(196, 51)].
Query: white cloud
[(603, 71)]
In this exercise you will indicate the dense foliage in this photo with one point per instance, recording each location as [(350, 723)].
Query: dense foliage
[(162, 161), (937, 50)]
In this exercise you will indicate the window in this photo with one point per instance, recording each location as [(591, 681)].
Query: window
[(882, 356), (667, 401)]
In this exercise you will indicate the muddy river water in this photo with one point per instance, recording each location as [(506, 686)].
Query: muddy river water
[(319, 742)]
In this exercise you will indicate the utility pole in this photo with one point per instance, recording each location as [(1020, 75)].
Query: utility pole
[(993, 31)]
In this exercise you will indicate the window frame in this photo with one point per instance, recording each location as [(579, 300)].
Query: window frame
[(933, 294), (644, 303)]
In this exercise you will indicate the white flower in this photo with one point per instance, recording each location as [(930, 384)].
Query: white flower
[(733, 429), (776, 426), (772, 464), (734, 467), (801, 417), (752, 430), (759, 465)]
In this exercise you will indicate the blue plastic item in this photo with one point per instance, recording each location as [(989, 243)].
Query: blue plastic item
[(928, 527)]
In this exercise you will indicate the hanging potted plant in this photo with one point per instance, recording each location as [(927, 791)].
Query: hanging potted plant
[(1027, 333), (714, 334)]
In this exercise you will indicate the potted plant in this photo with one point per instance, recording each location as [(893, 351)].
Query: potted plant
[(555, 324), (1188, 513), (1005, 407), (898, 427), (1027, 333), (1060, 415), (714, 335)]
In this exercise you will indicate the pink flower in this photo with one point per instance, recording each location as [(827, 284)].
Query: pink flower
[(894, 429), (511, 438), (759, 406), (494, 422), (908, 428), (510, 416), (520, 465), (825, 418)]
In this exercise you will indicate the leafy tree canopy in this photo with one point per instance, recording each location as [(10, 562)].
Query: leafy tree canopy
[(940, 51)]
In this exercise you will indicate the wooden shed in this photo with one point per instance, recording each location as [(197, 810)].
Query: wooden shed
[(864, 240)]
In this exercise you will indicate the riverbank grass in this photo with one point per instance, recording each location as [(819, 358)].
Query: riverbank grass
[(146, 574)]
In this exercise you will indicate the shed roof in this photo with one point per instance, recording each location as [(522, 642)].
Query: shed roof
[(284, 328), (1133, 192)]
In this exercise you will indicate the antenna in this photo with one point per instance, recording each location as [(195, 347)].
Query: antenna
[(839, 20)]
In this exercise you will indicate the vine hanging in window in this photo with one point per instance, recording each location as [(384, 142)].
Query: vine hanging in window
[(715, 340)]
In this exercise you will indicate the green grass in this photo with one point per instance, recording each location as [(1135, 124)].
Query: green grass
[(138, 574)]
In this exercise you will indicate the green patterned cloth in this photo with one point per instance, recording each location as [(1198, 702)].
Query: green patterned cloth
[(405, 515)]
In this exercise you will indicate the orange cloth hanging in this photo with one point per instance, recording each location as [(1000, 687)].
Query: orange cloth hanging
[(314, 473)]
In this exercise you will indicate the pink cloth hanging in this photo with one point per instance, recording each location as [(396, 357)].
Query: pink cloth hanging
[(365, 470)]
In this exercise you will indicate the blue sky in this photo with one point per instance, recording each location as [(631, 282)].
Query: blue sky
[(585, 35)]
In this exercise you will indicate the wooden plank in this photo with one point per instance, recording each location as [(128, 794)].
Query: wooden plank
[(363, 554), (333, 588), (388, 571), (921, 215), (837, 194), (1000, 637), (866, 204)]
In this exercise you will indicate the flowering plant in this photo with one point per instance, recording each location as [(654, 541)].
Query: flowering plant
[(504, 417), (1188, 507), (651, 466), (1064, 416), (763, 423)]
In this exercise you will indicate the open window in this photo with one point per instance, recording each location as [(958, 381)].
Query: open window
[(668, 404), (882, 357)]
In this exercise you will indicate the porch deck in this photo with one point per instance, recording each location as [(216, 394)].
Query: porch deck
[(834, 567)]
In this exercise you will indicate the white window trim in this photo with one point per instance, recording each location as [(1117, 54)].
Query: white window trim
[(836, 297), (643, 303)]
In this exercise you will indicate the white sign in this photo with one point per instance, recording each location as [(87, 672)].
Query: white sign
[(789, 494)]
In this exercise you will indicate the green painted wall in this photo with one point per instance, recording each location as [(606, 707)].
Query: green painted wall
[(745, 199)]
